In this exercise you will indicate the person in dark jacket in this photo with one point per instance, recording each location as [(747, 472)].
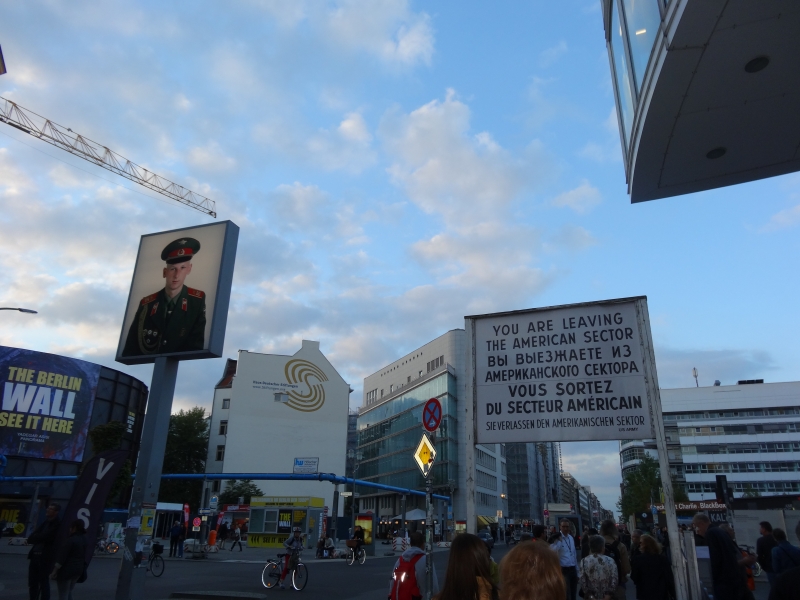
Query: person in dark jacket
[(585, 541), (764, 546), (651, 571), (784, 555), (174, 539), (727, 574), (42, 554), (70, 560)]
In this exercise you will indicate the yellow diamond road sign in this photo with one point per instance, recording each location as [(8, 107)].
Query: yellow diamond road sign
[(424, 456)]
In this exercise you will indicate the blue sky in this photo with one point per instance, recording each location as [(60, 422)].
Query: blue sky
[(393, 166)]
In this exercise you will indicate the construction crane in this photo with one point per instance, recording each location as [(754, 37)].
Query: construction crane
[(46, 130)]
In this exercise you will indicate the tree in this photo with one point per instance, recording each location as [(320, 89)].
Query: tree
[(641, 485), (187, 444), (109, 437), (750, 491), (242, 488)]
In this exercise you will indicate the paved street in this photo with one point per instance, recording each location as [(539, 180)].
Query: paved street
[(226, 571), (241, 572)]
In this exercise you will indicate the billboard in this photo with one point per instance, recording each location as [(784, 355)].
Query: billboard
[(46, 404), (179, 296), (568, 373)]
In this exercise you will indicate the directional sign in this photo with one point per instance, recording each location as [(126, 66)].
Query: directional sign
[(432, 415), (424, 455)]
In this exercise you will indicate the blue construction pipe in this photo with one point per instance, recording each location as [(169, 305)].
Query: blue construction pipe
[(254, 476)]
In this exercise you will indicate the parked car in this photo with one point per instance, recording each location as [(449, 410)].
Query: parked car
[(487, 539)]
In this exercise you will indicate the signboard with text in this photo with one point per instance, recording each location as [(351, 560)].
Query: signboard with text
[(47, 403), (568, 373)]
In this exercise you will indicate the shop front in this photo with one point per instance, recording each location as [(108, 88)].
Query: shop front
[(273, 518)]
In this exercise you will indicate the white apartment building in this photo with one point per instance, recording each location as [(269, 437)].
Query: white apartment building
[(749, 432)]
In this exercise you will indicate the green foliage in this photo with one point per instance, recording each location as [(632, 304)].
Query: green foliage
[(187, 444), (750, 492), (237, 489), (643, 484), (109, 437)]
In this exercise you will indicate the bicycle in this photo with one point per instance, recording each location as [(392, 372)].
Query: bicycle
[(756, 568), (355, 553), (155, 562), (106, 547), (271, 575)]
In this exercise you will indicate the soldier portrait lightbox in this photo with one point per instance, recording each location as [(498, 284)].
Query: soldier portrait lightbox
[(178, 302)]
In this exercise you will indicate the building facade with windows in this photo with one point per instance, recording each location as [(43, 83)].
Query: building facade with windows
[(390, 427), (270, 409), (706, 91), (749, 432), (534, 476)]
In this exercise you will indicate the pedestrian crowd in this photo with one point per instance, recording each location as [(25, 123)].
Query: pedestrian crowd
[(600, 564)]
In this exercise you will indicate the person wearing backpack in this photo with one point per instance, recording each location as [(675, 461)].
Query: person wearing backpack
[(784, 555), (617, 551), (408, 575)]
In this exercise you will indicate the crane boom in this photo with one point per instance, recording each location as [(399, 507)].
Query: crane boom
[(28, 121)]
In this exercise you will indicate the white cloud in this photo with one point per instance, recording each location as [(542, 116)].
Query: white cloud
[(444, 169), (580, 199), (789, 217), (210, 158), (348, 147), (551, 55), (609, 150)]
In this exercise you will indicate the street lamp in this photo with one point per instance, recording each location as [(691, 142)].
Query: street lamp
[(694, 374), (22, 310)]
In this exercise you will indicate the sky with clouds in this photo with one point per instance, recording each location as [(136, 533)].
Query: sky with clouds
[(393, 166)]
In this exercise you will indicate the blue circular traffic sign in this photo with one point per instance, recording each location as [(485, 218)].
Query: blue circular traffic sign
[(432, 415)]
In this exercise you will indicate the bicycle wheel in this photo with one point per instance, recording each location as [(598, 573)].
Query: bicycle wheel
[(157, 565), (351, 557), (270, 575), (299, 577), (362, 557), (756, 569), (112, 547)]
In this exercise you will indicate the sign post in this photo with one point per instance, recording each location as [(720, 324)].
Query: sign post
[(424, 456), (579, 372)]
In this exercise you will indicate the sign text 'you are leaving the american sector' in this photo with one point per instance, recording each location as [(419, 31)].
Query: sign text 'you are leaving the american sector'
[(568, 373)]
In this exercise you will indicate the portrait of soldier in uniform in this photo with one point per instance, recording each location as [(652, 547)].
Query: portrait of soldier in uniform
[(174, 318)]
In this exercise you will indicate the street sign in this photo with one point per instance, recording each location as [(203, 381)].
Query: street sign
[(204, 511), (345, 494), (196, 522), (432, 415), (424, 455), (546, 513), (213, 503), (306, 465)]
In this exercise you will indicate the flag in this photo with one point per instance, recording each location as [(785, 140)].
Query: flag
[(89, 497)]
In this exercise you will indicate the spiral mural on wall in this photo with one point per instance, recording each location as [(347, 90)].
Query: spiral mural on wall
[(301, 371)]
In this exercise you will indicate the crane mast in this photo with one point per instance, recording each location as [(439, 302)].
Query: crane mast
[(46, 130)]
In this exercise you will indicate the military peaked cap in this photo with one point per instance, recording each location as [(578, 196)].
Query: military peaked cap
[(180, 250)]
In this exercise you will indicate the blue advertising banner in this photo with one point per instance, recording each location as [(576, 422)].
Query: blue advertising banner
[(46, 404)]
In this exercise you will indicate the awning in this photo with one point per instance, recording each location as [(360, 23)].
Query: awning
[(412, 515), (486, 521)]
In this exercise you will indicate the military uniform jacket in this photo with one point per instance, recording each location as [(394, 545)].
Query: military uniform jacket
[(158, 328)]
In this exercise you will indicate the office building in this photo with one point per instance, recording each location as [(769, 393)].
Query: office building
[(706, 91), (390, 427), (749, 432), (533, 475)]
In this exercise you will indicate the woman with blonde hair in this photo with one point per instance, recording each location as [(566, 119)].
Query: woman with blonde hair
[(531, 571), (651, 571), (469, 575)]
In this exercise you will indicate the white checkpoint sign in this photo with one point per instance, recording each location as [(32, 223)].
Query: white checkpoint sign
[(571, 373)]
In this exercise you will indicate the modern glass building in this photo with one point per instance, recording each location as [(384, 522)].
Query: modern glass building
[(390, 427), (749, 432), (706, 91)]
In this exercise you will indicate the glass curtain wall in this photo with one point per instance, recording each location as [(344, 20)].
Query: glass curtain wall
[(643, 19), (622, 73)]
